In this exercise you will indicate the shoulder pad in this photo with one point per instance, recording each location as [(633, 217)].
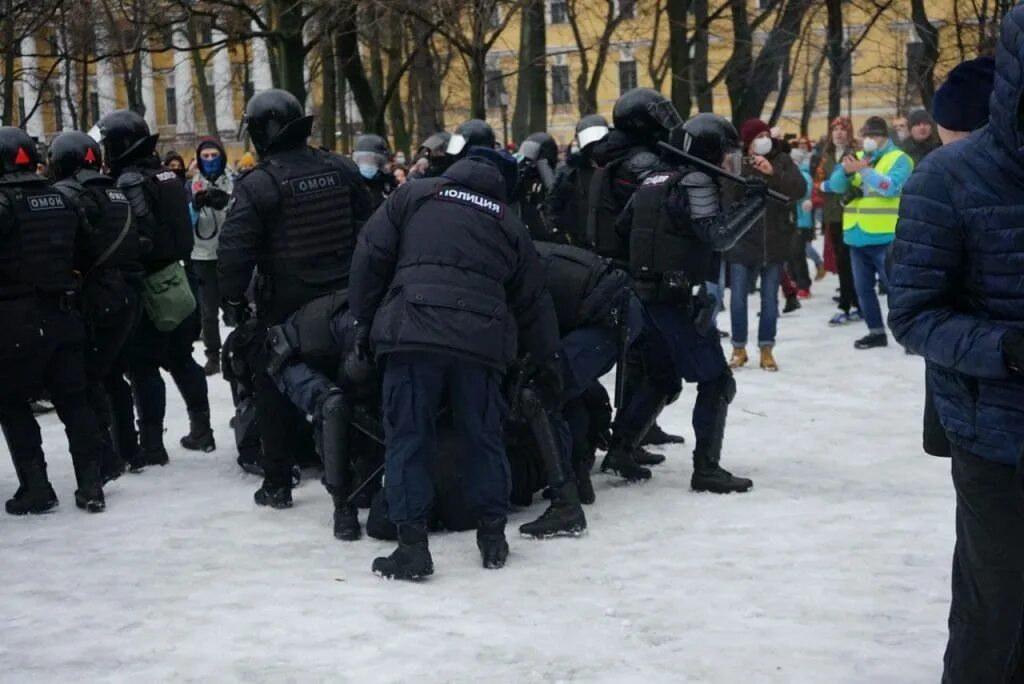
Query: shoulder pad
[(697, 179), (131, 179), (642, 162)]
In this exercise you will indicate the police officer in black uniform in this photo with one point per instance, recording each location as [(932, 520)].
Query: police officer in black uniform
[(294, 219), (676, 229), (538, 157), (470, 133), (450, 281), (160, 208), (43, 336), (110, 274), (371, 155), (433, 151), (565, 204)]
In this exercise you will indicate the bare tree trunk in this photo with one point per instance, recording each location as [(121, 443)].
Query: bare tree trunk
[(9, 55), (477, 79), (699, 66), (399, 129), (427, 86), (329, 85), (373, 32), (836, 57), (291, 48), (206, 94), (679, 48), (924, 78), (811, 94), (344, 124), (531, 89), (347, 48)]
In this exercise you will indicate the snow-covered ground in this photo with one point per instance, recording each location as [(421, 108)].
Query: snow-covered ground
[(834, 569)]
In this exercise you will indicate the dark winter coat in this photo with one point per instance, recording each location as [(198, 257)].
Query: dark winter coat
[(771, 241), (444, 266), (957, 285), (919, 150), (833, 209)]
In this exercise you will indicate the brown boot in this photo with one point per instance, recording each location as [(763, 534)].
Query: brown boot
[(768, 360), (739, 357), (820, 275)]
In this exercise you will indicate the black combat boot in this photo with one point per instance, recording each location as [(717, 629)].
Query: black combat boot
[(490, 539), (112, 467), (647, 458), (151, 446), (200, 434), (658, 437), (89, 495), (346, 520), (564, 517), (584, 485), (34, 495), (411, 560), (619, 460), (708, 475), (275, 497)]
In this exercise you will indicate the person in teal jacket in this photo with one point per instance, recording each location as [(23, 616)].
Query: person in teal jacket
[(871, 183), (805, 221)]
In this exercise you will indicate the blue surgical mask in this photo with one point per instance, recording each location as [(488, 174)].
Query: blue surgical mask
[(212, 168), (369, 172)]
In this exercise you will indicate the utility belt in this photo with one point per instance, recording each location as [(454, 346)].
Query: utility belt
[(675, 288), (64, 302)]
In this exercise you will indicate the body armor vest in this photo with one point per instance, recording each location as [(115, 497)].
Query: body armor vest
[(660, 244), (602, 211), (572, 276), (38, 253), (173, 239), (114, 213), (314, 237), (312, 325)]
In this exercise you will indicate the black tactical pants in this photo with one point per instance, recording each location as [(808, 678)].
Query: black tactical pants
[(209, 304), (55, 362), (986, 617), (149, 351), (106, 365)]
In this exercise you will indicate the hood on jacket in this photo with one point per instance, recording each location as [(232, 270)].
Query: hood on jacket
[(1006, 117), (480, 176)]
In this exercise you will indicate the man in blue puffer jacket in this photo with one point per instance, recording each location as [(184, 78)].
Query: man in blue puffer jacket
[(957, 299)]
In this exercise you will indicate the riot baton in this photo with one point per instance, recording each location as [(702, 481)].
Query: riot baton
[(717, 171)]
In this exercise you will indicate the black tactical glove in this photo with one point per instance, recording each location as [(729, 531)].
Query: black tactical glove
[(217, 199), (1013, 351), (754, 187), (548, 382), (201, 199), (238, 309)]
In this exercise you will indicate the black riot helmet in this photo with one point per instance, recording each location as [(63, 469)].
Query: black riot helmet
[(275, 121), (591, 129), (125, 137), (710, 137), (71, 151), (18, 151), (539, 146), (435, 145), (472, 133), (645, 115)]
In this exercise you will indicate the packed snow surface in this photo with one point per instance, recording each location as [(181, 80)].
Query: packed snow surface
[(834, 568)]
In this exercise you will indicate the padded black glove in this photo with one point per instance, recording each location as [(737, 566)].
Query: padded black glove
[(1013, 351), (217, 198), (238, 310), (201, 199)]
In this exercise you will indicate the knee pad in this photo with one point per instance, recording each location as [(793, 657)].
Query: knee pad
[(725, 386)]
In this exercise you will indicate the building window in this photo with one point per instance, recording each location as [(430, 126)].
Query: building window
[(21, 109), (94, 105), (171, 100), (627, 75), (494, 87), (559, 11), (561, 92), (627, 9)]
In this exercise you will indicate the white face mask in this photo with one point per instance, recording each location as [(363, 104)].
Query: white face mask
[(870, 145), (761, 146), (798, 156)]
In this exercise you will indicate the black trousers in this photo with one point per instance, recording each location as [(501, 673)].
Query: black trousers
[(209, 304), (986, 617), (106, 367), (847, 290), (56, 363), (149, 351), (798, 261)]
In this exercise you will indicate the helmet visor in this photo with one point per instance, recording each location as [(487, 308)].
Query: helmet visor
[(589, 136), (665, 114), (530, 150), (456, 144), (96, 134), (369, 159)]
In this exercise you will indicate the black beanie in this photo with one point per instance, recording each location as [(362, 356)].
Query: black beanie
[(961, 103)]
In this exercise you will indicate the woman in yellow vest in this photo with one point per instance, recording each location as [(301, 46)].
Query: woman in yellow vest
[(871, 183)]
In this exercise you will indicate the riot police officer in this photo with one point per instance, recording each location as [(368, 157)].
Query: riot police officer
[(676, 228), (538, 157), (468, 134), (294, 219), (159, 205), (431, 159), (43, 334), (110, 278), (450, 281), (371, 155), (565, 205)]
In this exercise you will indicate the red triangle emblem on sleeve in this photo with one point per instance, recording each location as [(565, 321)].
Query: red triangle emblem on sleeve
[(22, 157), (90, 156)]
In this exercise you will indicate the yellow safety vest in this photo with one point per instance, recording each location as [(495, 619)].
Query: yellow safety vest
[(876, 215)]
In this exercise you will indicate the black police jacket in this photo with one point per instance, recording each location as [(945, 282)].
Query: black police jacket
[(444, 266), (584, 286)]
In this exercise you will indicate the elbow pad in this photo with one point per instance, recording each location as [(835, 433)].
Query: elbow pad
[(725, 230)]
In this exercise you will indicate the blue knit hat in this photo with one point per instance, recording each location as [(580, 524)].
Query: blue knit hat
[(961, 103)]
